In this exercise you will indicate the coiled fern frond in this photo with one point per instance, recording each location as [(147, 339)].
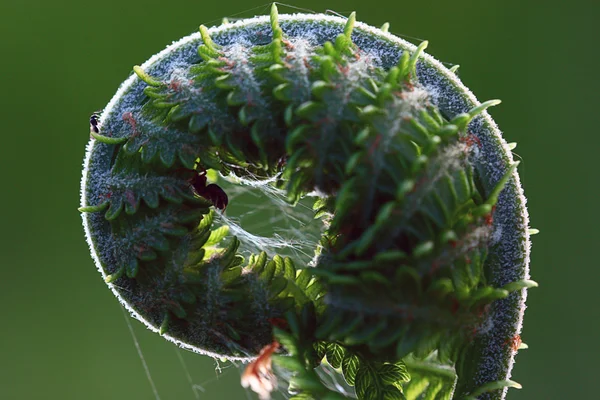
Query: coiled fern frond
[(417, 285)]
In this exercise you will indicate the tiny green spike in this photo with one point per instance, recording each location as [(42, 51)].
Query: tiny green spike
[(412, 63), (114, 210), (448, 236), (309, 109), (518, 285), (279, 264), (461, 120), (533, 231), (329, 50), (216, 235), (352, 162), (483, 106), (512, 145), (206, 38), (164, 326), (454, 68), (113, 277), (320, 88), (107, 139), (491, 386), (277, 32), (403, 64), (447, 130), (145, 77), (229, 254), (200, 239), (268, 272), (99, 207), (210, 49), (281, 91), (365, 240), (385, 27), (390, 256), (404, 188), (482, 210), (350, 25), (393, 74), (385, 212), (274, 15), (342, 45), (371, 111), (132, 268), (423, 249)]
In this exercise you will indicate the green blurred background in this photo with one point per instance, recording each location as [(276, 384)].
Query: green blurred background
[(63, 335)]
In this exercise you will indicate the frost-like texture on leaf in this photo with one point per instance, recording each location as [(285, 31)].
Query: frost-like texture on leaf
[(425, 252)]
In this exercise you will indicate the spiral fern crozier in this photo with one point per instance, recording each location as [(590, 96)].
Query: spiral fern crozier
[(419, 280)]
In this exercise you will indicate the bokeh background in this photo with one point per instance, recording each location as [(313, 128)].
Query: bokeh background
[(63, 335)]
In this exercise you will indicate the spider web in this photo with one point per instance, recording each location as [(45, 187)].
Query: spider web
[(262, 219)]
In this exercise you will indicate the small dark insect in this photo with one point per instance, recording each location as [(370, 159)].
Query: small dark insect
[(210, 192), (94, 122)]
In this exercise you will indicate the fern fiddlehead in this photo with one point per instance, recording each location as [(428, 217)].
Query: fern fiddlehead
[(420, 276)]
